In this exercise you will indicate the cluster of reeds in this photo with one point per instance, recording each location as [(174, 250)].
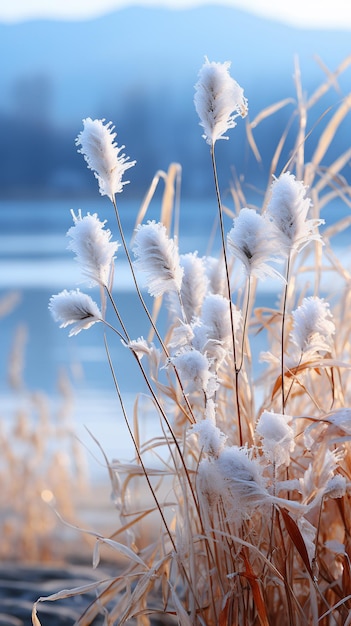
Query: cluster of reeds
[(249, 480), (41, 462)]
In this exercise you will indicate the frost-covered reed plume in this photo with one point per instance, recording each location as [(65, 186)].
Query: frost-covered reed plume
[(249, 478)]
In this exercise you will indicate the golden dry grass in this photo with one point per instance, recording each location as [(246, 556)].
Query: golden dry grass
[(188, 557)]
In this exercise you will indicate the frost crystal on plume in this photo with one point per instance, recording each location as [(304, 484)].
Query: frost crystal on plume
[(98, 146), (157, 256), (288, 210), (93, 247), (218, 100), (74, 307)]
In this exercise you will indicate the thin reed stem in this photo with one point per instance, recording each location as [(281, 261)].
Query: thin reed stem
[(160, 409), (191, 416), (282, 342), (146, 473), (117, 314), (220, 214), (135, 444), (248, 292)]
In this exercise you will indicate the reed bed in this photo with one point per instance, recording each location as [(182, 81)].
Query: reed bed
[(246, 490), (42, 464)]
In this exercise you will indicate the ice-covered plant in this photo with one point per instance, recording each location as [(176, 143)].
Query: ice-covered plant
[(313, 326), (98, 146), (95, 252), (252, 241), (74, 307), (219, 100), (157, 255), (278, 437), (288, 211), (250, 476)]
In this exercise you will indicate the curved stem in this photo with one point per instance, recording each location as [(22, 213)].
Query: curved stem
[(282, 346), (136, 446), (245, 322), (114, 306), (237, 371), (191, 416), (156, 401)]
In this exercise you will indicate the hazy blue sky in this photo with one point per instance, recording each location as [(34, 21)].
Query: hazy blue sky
[(305, 13)]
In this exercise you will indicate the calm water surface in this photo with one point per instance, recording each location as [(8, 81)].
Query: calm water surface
[(35, 263)]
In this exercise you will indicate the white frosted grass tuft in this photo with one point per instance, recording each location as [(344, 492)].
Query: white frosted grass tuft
[(244, 485), (288, 210), (194, 370), (211, 438), (277, 437), (215, 272), (74, 307), (95, 252), (193, 288), (98, 146), (139, 346), (217, 329), (218, 100), (313, 326), (316, 480), (252, 241), (336, 487), (243, 481), (157, 256)]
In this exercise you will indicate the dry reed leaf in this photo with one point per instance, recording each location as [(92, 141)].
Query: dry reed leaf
[(156, 308), (170, 199), (252, 142), (332, 171), (183, 617), (311, 365), (256, 591), (331, 80), (270, 110), (223, 616), (171, 180), (9, 302), (297, 539), (328, 134), (66, 593), (334, 607), (346, 574), (278, 151), (337, 228), (141, 591), (160, 174)]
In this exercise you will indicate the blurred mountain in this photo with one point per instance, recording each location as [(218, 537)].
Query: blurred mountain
[(137, 67)]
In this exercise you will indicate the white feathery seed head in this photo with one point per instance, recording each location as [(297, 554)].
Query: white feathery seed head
[(277, 437), (100, 151), (215, 271), (313, 326), (95, 252), (218, 100), (194, 284), (216, 330), (336, 487), (74, 307), (194, 370), (243, 481), (288, 210), (182, 335), (209, 484), (252, 241), (139, 346), (157, 256), (211, 438)]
